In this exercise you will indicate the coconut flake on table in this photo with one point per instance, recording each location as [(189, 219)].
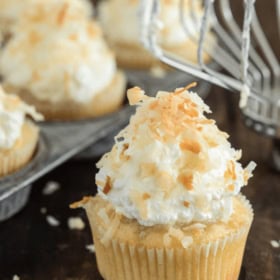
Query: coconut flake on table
[(90, 248), (76, 223), (43, 210), (50, 188), (275, 243), (52, 221)]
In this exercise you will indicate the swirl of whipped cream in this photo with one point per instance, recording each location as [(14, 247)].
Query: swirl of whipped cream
[(171, 164), (115, 14), (12, 117), (57, 54)]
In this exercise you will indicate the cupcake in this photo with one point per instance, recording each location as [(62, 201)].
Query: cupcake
[(18, 134), (168, 204), (12, 10), (121, 23), (58, 61)]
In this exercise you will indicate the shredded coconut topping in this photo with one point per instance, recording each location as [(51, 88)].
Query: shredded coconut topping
[(171, 163)]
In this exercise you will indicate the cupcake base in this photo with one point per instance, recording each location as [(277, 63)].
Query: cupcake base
[(20, 154), (180, 252), (131, 56), (107, 101)]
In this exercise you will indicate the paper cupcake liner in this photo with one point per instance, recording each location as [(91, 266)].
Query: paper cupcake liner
[(107, 101), (217, 260), (19, 155)]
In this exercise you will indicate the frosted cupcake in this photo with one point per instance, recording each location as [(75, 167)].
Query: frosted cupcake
[(169, 203), (121, 23), (18, 135), (12, 10), (58, 61)]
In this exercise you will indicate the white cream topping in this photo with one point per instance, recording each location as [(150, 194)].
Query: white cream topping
[(12, 116), (115, 15), (57, 54), (12, 10), (171, 164)]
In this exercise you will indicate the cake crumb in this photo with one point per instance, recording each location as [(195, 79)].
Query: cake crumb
[(50, 188), (52, 221), (16, 277), (43, 210), (90, 248), (76, 223), (275, 244)]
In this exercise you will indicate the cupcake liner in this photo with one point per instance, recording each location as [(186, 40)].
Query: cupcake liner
[(107, 101), (20, 154), (215, 260)]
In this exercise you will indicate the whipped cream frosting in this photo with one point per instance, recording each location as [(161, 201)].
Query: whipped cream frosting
[(12, 117), (115, 15), (57, 53), (12, 10), (171, 164)]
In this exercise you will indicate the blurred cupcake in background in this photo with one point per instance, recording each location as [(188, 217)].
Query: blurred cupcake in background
[(120, 20), (12, 10), (58, 61), (18, 134)]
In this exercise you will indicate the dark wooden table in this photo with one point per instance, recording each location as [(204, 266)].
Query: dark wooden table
[(32, 249)]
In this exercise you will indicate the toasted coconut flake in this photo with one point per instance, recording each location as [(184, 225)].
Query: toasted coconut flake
[(135, 95), (186, 204), (190, 145), (80, 203), (231, 187), (186, 180), (62, 13), (230, 171), (211, 142), (186, 88), (146, 196), (108, 185)]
